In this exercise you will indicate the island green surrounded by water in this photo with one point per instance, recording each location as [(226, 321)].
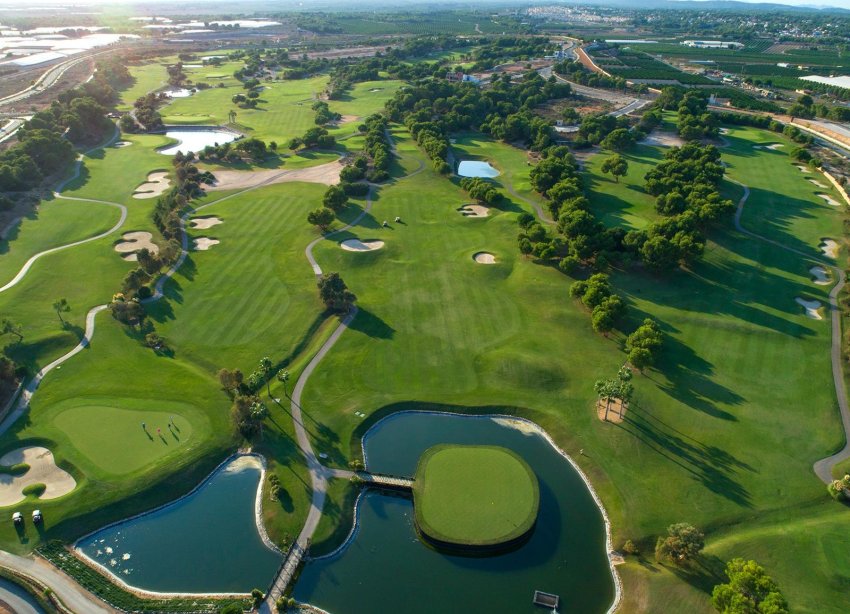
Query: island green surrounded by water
[(474, 496)]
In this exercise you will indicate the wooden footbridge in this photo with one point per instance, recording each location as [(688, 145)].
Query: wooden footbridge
[(383, 480)]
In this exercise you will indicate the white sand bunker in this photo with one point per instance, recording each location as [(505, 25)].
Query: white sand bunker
[(156, 184), (121, 144), (771, 146), (202, 223), (829, 199), (484, 258), (347, 119), (327, 174), (43, 470), (802, 168), (356, 245), (135, 241), (829, 247), (817, 183), (204, 243), (474, 211), (821, 277), (660, 138), (811, 307)]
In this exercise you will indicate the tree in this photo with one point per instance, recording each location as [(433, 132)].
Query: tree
[(259, 412), (644, 344), (266, 368), (7, 327), (322, 218), (335, 198), (749, 591), (61, 306), (683, 543), (229, 379), (616, 165), (335, 294), (618, 140), (283, 377)]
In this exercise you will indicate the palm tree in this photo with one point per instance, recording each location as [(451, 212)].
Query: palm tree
[(259, 411), (61, 306), (266, 368), (283, 377)]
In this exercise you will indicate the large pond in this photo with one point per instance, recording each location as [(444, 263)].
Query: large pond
[(195, 140), (385, 566), (207, 542), (476, 168)]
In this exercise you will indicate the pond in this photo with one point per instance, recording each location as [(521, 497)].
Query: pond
[(386, 563), (476, 168), (195, 140), (207, 542)]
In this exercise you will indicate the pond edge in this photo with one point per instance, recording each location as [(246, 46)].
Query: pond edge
[(258, 515)]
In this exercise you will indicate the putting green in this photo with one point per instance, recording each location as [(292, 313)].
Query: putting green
[(113, 439), (477, 496)]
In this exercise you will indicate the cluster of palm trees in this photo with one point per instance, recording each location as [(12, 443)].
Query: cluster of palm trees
[(619, 387)]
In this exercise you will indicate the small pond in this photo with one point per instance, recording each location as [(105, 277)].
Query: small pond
[(386, 563), (476, 168), (195, 140), (178, 93), (207, 542)]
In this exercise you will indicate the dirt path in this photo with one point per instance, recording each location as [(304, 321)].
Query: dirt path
[(823, 467), (326, 174)]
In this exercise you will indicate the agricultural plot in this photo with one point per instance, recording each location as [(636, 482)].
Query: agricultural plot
[(636, 65)]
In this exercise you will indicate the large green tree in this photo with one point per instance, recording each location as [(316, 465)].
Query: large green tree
[(749, 591)]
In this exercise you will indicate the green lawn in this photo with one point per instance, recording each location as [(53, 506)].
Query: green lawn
[(474, 495), (703, 424)]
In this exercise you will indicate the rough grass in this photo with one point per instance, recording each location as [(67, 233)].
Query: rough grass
[(474, 495)]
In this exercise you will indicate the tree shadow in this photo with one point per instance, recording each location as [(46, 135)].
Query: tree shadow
[(712, 467), (372, 325)]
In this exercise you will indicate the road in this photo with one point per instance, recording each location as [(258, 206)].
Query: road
[(49, 78), (628, 103), (69, 592)]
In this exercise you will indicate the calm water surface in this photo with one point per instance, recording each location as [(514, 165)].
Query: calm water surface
[(195, 140), (205, 543), (387, 568)]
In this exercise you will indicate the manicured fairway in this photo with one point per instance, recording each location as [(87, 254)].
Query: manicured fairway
[(57, 222), (113, 437), (284, 111), (474, 495), (703, 424)]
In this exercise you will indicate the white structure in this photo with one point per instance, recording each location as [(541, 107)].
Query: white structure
[(713, 44)]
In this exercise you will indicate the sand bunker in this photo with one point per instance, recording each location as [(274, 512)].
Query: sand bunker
[(817, 183), (327, 174), (202, 223), (202, 244), (347, 119), (771, 146), (156, 184), (474, 211), (821, 277), (484, 258), (133, 242), (663, 139), (121, 144), (811, 308), (829, 199), (829, 247), (356, 245), (43, 470), (802, 168)]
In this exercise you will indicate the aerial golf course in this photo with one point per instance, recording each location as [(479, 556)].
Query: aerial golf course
[(721, 433)]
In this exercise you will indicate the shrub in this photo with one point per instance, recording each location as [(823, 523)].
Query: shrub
[(34, 490), (683, 543), (630, 548)]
